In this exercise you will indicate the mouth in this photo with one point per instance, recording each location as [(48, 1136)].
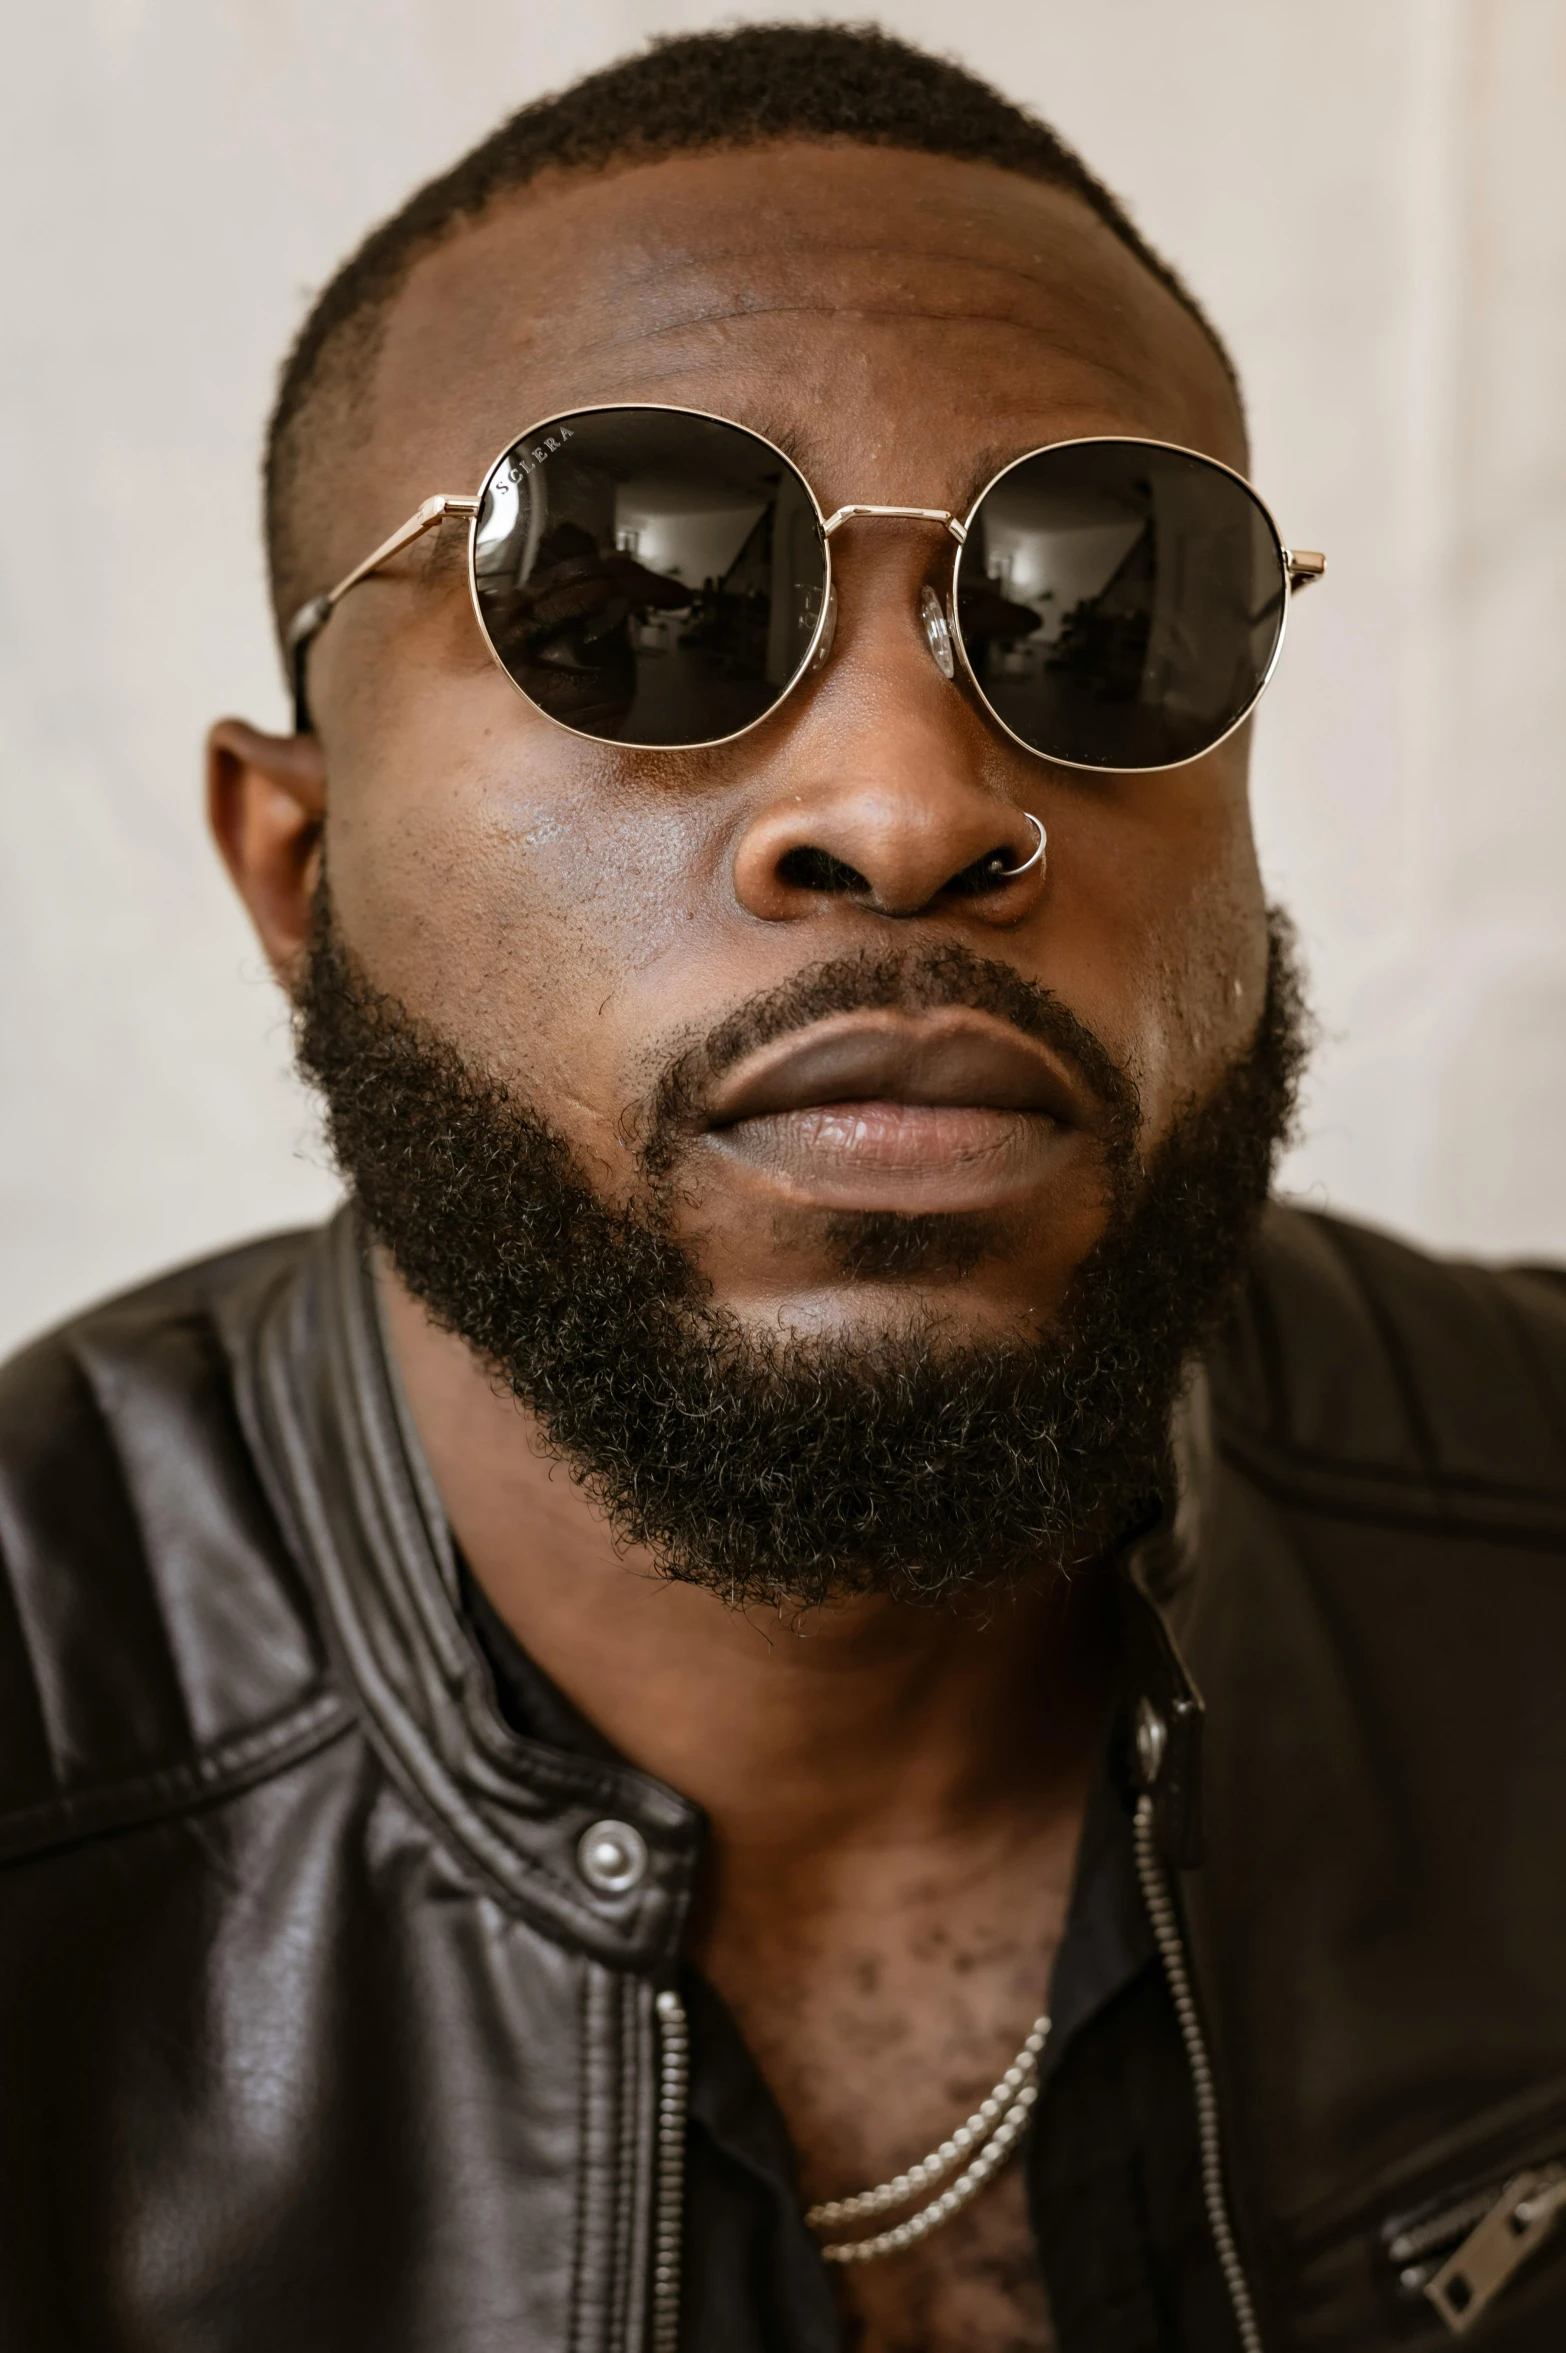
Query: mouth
[(948, 1109)]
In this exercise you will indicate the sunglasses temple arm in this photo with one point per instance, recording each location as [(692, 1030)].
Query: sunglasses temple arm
[(312, 618), (1303, 565)]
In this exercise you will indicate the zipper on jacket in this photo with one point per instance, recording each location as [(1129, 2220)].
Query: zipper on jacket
[(1495, 2231), (674, 2072), (1166, 1931)]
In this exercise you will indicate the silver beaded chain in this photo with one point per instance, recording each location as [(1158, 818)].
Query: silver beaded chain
[(981, 2147)]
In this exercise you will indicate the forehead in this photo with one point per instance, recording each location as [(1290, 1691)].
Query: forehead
[(902, 323)]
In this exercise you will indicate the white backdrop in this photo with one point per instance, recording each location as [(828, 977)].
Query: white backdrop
[(1370, 195)]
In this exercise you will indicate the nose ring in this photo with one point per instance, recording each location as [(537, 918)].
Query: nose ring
[(1010, 873)]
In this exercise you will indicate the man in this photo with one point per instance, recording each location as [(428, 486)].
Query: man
[(807, 1685)]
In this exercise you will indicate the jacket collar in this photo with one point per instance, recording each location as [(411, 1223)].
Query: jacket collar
[(1167, 1711), (355, 1485), (351, 1479)]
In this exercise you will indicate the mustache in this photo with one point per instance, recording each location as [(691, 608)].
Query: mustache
[(661, 1122)]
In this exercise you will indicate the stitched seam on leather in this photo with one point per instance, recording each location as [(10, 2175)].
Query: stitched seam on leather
[(205, 1780), (594, 2187), (1531, 2126), (396, 1457), (516, 1877), (1339, 1491), (418, 1768), (627, 2328), (1465, 1486)]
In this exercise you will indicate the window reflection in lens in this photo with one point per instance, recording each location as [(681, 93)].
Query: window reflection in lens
[(647, 575), (1120, 603)]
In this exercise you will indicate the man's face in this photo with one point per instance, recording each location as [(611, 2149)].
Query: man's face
[(573, 917)]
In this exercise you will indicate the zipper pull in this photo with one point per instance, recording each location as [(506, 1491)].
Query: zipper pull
[(1521, 2219)]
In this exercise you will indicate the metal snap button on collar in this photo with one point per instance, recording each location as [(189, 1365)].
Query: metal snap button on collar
[(612, 1857)]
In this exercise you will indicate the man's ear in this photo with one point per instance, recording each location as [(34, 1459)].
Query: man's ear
[(266, 804)]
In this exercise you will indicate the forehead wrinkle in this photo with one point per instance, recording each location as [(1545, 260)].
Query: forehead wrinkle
[(1081, 323), (1058, 282), (1121, 377), (1069, 282), (830, 310), (1083, 304), (1115, 383), (919, 260)]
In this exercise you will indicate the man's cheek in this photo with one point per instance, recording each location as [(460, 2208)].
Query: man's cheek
[(1212, 978)]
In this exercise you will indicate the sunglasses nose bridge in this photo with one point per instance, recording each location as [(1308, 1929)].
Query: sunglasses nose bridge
[(923, 567), (936, 613), (942, 515)]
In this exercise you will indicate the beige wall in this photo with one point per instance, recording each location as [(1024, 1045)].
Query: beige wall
[(1370, 195)]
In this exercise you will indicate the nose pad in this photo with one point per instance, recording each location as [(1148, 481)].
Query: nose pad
[(937, 632)]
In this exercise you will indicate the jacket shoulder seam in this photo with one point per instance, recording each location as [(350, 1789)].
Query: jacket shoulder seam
[(206, 1779), (1391, 1496)]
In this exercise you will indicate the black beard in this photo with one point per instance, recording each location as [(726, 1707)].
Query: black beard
[(774, 1468)]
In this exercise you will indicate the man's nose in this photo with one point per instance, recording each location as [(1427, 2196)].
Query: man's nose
[(891, 792)]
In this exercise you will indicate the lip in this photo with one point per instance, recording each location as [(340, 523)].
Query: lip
[(950, 1056), (944, 1110)]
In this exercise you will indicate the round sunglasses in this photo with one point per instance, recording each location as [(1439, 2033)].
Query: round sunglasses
[(661, 579)]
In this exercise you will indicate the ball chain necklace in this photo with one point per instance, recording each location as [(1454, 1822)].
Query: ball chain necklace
[(980, 2148)]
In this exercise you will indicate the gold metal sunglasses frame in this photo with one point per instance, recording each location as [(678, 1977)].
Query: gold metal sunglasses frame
[(1297, 566)]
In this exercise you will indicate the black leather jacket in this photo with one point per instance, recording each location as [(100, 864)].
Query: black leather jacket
[(316, 2038)]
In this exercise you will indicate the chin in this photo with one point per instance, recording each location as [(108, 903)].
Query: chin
[(979, 1276), (951, 1317)]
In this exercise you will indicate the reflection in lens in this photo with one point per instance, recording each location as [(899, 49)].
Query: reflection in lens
[(648, 575), (1120, 603)]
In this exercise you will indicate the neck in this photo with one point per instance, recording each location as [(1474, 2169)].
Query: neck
[(863, 1721)]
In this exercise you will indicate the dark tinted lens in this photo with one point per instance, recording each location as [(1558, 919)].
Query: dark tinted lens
[(1120, 603), (649, 576)]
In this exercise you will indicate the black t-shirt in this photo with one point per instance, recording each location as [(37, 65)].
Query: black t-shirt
[(1113, 2171)]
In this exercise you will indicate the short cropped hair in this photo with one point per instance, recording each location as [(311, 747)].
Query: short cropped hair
[(683, 94)]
